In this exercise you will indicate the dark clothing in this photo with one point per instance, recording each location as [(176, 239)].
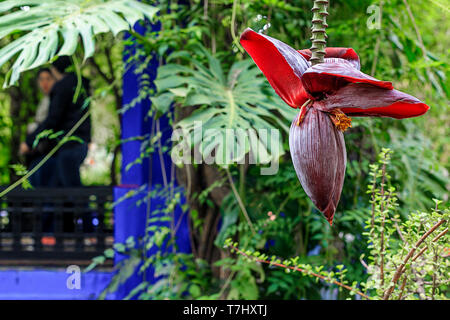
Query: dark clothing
[(36, 154), (68, 161), (63, 114), (45, 176), (63, 169)]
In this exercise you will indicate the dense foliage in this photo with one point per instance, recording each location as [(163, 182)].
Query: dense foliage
[(207, 76)]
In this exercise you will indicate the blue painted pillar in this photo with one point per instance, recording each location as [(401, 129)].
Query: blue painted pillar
[(129, 217)]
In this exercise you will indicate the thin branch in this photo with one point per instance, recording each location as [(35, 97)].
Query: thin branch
[(227, 283), (205, 10), (78, 74), (48, 156), (440, 235), (419, 254), (402, 288), (382, 205), (416, 28), (233, 21), (440, 5), (377, 44), (440, 282), (364, 264), (372, 221), (161, 157), (434, 287), (419, 39), (239, 200), (100, 72), (434, 240), (109, 62), (302, 271), (399, 232), (400, 270)]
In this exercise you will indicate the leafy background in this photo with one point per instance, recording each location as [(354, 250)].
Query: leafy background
[(216, 76)]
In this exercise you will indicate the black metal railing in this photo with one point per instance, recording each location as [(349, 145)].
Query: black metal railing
[(54, 226)]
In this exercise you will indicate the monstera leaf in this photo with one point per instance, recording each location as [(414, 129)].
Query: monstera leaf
[(54, 27), (236, 110)]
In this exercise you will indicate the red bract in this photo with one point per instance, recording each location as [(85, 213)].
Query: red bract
[(325, 93), (281, 64), (319, 158)]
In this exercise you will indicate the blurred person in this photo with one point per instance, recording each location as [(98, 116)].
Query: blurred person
[(65, 110), (45, 81), (62, 115), (44, 177), (33, 156)]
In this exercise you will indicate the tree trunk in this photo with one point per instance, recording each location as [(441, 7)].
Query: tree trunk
[(195, 180)]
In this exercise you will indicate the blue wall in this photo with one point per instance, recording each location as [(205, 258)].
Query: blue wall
[(128, 217), (40, 284)]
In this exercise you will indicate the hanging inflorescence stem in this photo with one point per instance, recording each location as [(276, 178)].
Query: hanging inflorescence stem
[(319, 36)]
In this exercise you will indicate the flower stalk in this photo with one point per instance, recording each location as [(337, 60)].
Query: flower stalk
[(328, 94), (319, 36)]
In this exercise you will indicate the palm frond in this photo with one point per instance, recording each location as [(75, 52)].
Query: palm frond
[(232, 109), (54, 27)]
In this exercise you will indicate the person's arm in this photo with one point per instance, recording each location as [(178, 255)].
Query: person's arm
[(60, 100)]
